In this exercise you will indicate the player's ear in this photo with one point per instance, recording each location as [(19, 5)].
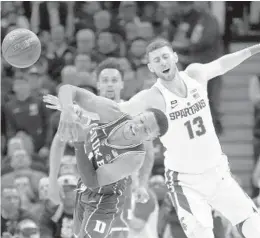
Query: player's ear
[(150, 67), (98, 85), (175, 57)]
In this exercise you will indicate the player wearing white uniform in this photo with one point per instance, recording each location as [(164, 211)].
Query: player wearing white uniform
[(197, 171)]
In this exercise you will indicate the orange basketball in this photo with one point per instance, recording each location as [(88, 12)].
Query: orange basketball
[(21, 48)]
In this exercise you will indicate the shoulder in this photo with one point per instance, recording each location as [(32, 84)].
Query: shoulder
[(197, 71)]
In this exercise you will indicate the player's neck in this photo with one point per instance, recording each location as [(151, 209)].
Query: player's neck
[(177, 85)]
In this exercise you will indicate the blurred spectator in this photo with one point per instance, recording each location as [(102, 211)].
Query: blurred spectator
[(11, 211), (13, 16), (131, 85), (46, 15), (68, 166), (136, 54), (26, 113), (128, 13), (198, 39), (131, 32), (40, 84), (102, 21), (28, 228), (86, 44), (57, 219), (59, 53), (254, 96), (145, 31), (149, 11), (83, 63), (107, 46), (84, 12)]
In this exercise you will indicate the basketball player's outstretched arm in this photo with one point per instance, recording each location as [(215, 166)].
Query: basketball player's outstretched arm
[(220, 66), (107, 109), (56, 153)]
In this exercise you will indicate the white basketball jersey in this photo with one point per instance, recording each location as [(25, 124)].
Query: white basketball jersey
[(191, 143)]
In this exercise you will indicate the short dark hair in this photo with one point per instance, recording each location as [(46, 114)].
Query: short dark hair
[(109, 63), (161, 120), (157, 44)]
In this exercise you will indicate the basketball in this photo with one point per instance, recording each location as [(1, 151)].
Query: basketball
[(21, 48)]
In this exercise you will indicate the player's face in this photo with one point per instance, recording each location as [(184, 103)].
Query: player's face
[(143, 126), (110, 83), (162, 62)]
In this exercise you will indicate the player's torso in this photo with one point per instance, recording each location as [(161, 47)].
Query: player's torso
[(192, 145), (100, 152)]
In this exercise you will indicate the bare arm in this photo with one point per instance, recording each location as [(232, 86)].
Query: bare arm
[(146, 169), (108, 173), (107, 109), (137, 104), (56, 153), (205, 72)]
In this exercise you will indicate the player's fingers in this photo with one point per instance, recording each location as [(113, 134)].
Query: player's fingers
[(54, 107)]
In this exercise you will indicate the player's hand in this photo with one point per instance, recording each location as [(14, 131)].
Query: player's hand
[(52, 102), (141, 195)]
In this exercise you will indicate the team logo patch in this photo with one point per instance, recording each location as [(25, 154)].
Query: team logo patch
[(108, 157)]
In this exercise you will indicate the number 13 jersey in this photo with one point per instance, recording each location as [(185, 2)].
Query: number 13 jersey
[(191, 143)]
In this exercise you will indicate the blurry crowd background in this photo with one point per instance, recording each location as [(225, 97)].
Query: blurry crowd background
[(75, 38)]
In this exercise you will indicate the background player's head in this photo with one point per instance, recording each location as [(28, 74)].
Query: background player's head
[(110, 79), (162, 59), (147, 125)]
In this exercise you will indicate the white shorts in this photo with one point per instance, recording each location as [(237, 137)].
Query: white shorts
[(196, 195)]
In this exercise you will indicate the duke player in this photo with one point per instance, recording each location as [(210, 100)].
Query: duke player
[(197, 171), (114, 151)]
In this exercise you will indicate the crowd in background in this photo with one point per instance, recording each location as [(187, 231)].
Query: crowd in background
[(75, 38)]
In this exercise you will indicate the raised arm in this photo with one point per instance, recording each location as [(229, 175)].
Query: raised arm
[(107, 109), (137, 104), (205, 72)]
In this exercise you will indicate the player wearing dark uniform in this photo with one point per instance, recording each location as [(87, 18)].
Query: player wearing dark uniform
[(112, 151)]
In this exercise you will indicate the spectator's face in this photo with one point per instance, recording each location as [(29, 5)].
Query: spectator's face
[(162, 62), (23, 185), (43, 188), (22, 89), (68, 169), (91, 7), (128, 13), (102, 20), (83, 63), (58, 35), (13, 145), (85, 43), (110, 83), (20, 159), (131, 31), (28, 229), (10, 199), (106, 43), (145, 31), (138, 48)]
